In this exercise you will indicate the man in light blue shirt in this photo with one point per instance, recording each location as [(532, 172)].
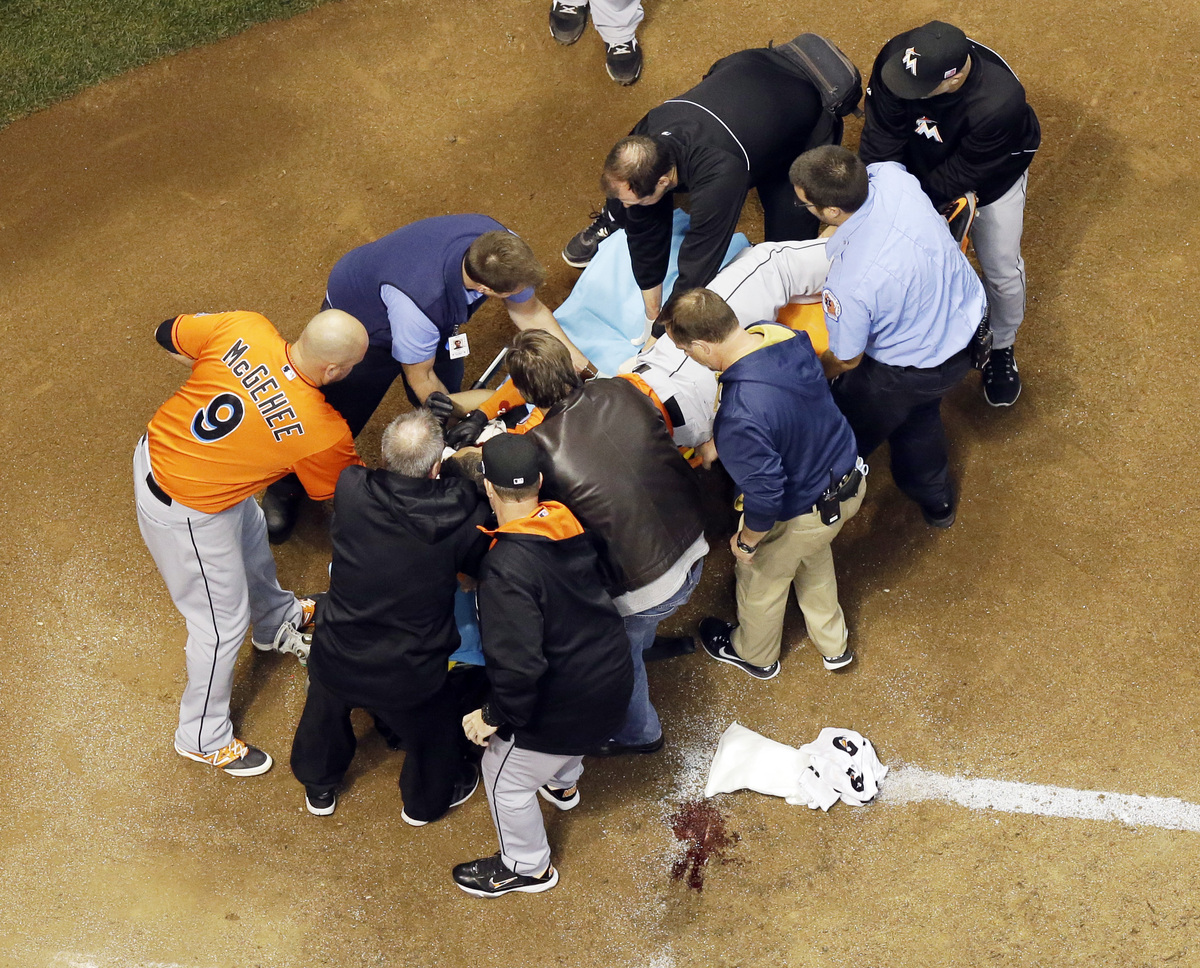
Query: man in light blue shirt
[(902, 304)]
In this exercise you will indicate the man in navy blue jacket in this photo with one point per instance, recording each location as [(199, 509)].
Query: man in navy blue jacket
[(792, 455)]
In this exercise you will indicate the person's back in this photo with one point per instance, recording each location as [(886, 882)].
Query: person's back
[(608, 457), (386, 628)]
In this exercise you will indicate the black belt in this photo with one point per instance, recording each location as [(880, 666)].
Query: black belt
[(157, 491)]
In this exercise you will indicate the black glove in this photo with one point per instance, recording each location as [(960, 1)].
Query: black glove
[(466, 431), (440, 405)]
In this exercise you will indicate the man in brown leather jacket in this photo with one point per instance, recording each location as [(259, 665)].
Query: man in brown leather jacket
[(607, 455)]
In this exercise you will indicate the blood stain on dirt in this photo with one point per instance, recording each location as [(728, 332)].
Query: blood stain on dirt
[(700, 825)]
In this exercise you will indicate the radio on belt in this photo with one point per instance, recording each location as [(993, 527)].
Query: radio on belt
[(829, 505)]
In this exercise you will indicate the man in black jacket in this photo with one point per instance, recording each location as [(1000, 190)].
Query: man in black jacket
[(954, 114), (385, 631), (558, 664), (739, 128)]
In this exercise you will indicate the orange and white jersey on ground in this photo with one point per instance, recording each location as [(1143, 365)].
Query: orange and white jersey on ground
[(245, 418)]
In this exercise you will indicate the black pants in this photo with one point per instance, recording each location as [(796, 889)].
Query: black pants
[(902, 405), (436, 755)]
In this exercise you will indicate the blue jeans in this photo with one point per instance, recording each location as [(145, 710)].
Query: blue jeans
[(641, 721)]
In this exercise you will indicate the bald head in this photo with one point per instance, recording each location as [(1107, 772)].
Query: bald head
[(332, 342)]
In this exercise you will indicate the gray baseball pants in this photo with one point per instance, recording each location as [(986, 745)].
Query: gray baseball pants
[(996, 236), (220, 574), (616, 21), (511, 777)]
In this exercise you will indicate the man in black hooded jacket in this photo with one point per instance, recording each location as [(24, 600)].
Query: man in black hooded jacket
[(386, 629)]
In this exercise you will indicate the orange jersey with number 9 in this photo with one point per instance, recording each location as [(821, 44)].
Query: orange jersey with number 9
[(244, 418)]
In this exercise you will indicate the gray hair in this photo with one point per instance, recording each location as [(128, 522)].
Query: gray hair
[(412, 443)]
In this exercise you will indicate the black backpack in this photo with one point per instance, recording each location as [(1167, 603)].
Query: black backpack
[(834, 76)]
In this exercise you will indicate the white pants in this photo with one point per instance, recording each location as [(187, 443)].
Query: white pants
[(996, 236), (511, 777), (616, 21), (220, 574)]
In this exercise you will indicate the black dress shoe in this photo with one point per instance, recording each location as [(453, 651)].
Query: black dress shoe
[(939, 515), (610, 747), (281, 509)]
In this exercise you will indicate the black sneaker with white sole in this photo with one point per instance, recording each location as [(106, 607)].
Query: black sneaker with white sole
[(568, 21), (463, 788), (715, 637), (320, 804), (838, 662), (1001, 380), (488, 877), (563, 799), (582, 248), (623, 62)]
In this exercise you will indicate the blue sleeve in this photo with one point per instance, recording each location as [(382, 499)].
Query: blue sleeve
[(755, 466), (523, 296), (414, 336), (847, 318)]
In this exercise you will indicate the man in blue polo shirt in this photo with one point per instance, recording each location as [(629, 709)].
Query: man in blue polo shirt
[(902, 305), (413, 290)]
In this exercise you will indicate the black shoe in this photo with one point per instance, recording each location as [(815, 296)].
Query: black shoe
[(940, 515), (563, 799), (568, 21), (610, 747), (623, 62), (838, 662), (668, 647), (714, 636), (321, 804), (580, 250), (488, 877), (1001, 381), (463, 788), (281, 512)]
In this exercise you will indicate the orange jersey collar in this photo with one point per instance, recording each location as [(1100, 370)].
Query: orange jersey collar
[(550, 520)]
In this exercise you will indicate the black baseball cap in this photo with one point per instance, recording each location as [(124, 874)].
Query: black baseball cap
[(924, 58), (510, 460)]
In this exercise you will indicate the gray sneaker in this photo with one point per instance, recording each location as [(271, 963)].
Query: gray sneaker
[(289, 640)]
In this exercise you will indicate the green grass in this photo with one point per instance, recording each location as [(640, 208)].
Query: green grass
[(51, 49)]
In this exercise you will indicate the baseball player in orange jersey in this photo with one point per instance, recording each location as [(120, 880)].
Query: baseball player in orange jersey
[(251, 411)]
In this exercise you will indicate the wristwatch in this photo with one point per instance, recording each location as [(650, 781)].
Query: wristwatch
[(745, 548)]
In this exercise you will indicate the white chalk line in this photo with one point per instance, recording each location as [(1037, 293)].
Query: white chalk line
[(911, 784), (74, 960)]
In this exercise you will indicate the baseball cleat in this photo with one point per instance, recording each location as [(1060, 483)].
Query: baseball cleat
[(582, 248), (488, 877), (1001, 381), (623, 62), (838, 662), (236, 759), (320, 804), (563, 799), (715, 637), (568, 21)]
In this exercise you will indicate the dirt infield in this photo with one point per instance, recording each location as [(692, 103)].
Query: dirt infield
[(1049, 637)]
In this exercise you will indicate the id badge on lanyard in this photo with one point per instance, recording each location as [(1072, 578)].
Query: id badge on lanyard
[(458, 346)]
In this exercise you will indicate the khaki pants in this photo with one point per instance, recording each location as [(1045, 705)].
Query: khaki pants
[(795, 553)]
